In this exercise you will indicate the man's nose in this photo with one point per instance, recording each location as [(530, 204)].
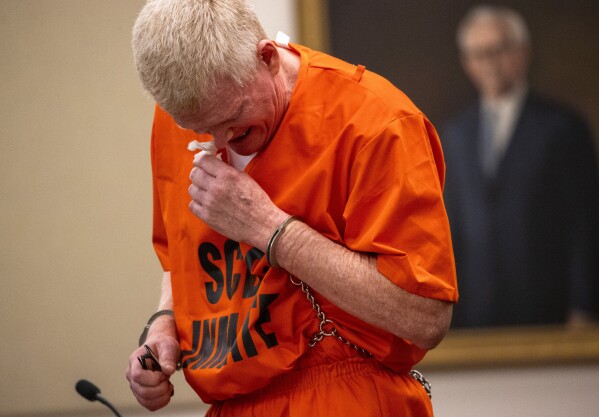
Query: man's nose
[(221, 136)]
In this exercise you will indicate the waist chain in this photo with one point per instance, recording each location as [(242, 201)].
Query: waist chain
[(327, 328)]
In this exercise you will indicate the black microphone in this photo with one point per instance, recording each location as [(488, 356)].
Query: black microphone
[(90, 392)]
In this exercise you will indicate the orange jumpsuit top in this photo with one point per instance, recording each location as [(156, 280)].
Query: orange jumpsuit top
[(356, 161)]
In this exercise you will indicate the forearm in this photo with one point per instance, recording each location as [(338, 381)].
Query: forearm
[(166, 293), (352, 281), (164, 324)]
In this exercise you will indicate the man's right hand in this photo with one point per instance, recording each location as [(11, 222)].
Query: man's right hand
[(153, 389)]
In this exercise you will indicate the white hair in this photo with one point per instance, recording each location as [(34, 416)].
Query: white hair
[(183, 48), (513, 21)]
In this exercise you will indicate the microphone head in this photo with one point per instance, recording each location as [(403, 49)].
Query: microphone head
[(87, 390)]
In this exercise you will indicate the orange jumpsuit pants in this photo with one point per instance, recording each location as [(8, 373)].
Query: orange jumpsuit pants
[(346, 384)]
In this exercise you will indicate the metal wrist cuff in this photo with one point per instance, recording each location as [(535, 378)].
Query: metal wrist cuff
[(270, 252), (144, 333)]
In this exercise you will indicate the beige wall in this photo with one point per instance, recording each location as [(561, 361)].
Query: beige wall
[(77, 269), (79, 277)]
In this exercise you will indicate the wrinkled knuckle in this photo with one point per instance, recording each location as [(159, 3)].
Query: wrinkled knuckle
[(219, 187), (230, 175), (194, 173), (196, 209)]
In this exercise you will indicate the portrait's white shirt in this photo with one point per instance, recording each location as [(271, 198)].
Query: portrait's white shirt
[(507, 109)]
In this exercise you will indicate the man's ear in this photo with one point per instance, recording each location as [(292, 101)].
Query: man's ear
[(269, 54)]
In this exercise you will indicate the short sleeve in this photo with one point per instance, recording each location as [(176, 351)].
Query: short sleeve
[(395, 208)]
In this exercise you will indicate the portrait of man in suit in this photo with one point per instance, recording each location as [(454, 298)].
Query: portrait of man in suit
[(522, 189)]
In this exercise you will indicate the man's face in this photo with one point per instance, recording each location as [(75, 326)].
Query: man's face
[(243, 119), (492, 59)]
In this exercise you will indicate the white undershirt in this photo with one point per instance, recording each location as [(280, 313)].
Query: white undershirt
[(238, 161), (506, 109)]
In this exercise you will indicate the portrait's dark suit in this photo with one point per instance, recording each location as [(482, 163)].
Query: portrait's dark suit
[(525, 240)]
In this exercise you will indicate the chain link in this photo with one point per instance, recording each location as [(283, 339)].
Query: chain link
[(425, 384), (326, 326), (327, 329)]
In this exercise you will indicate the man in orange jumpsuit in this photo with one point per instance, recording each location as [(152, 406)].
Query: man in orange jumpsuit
[(312, 268)]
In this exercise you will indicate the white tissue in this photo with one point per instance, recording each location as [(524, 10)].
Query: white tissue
[(205, 148), (209, 146)]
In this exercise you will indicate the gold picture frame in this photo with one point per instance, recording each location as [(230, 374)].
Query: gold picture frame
[(515, 346)]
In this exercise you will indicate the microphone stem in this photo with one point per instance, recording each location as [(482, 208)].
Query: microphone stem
[(107, 404)]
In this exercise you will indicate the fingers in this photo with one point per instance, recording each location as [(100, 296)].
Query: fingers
[(197, 193), (203, 189), (200, 181), (153, 390), (153, 397), (198, 210), (198, 200), (208, 162), (141, 377), (168, 353), (199, 177)]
